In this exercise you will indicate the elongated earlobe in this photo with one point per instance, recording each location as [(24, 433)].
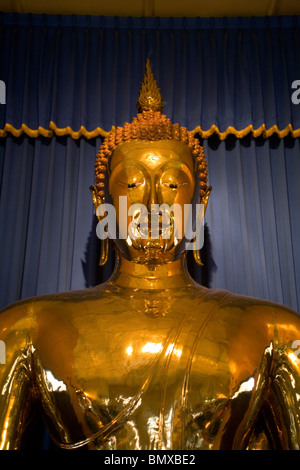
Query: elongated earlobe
[(204, 201), (104, 252), (197, 258), (98, 200)]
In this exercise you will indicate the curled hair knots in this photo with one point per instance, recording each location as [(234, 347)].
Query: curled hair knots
[(149, 125)]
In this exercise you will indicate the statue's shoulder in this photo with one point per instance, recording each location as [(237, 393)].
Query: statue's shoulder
[(246, 305), (254, 315), (17, 324), (27, 314)]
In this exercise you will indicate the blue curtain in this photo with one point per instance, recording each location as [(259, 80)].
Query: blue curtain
[(45, 203), (254, 218), (82, 74)]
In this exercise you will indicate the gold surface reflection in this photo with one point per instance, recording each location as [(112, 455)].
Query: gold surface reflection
[(150, 359)]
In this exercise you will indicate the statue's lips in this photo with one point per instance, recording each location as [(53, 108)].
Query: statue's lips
[(154, 226)]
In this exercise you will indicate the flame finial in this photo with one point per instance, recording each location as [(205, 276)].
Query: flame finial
[(149, 96)]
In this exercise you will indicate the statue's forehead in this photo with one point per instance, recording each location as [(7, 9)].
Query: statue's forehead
[(152, 153)]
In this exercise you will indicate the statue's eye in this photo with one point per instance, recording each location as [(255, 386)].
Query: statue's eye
[(131, 185), (173, 186)]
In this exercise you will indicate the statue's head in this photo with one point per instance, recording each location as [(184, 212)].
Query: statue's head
[(152, 172)]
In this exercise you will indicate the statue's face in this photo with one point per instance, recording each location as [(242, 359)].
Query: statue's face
[(150, 174)]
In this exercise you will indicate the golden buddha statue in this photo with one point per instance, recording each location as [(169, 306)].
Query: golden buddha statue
[(150, 359)]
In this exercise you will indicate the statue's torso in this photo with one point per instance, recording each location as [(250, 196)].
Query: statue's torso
[(147, 371), (130, 369)]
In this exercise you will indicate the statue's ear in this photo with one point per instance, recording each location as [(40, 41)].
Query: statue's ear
[(97, 199), (204, 201), (205, 197)]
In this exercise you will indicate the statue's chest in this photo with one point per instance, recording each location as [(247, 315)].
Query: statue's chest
[(169, 403), (136, 383), (156, 389)]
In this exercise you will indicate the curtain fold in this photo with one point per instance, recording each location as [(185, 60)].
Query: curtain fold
[(46, 215), (80, 75), (253, 217)]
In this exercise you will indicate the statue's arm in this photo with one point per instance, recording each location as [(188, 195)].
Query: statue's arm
[(271, 418), (283, 410), (16, 382)]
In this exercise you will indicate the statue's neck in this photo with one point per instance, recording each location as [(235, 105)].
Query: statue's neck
[(144, 276)]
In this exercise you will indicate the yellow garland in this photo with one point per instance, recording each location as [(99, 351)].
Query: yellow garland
[(82, 132), (53, 130), (247, 130)]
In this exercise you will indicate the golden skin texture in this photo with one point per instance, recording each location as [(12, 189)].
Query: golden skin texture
[(151, 359)]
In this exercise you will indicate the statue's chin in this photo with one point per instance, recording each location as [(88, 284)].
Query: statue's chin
[(151, 251), (155, 253)]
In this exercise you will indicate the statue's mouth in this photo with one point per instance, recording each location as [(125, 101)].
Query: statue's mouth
[(153, 230)]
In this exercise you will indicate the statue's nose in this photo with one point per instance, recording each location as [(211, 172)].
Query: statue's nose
[(153, 195)]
